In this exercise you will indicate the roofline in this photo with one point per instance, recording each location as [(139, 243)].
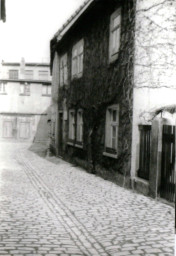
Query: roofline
[(69, 23), (26, 64), (26, 81)]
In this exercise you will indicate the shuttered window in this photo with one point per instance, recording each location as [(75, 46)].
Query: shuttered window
[(63, 70), (77, 59), (114, 37), (13, 74)]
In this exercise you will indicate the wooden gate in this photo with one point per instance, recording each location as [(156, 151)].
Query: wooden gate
[(167, 187)]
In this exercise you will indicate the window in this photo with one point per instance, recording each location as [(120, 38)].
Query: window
[(13, 74), (63, 70), (79, 135), (46, 90), (112, 123), (114, 38), (29, 74), (43, 74), (2, 88), (71, 124), (77, 59), (25, 89)]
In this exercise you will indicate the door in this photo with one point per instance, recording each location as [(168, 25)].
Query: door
[(24, 132), (167, 188), (8, 129)]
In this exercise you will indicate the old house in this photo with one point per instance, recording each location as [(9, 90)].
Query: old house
[(25, 96), (106, 80)]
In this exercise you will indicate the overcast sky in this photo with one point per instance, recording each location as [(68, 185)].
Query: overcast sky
[(30, 25)]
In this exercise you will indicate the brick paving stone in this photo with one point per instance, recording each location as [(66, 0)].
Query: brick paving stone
[(52, 208)]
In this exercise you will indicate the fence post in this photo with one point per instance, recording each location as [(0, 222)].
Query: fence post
[(155, 157)]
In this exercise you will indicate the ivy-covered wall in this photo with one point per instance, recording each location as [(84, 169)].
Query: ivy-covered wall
[(101, 85)]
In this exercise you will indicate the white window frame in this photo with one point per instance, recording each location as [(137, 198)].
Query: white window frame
[(115, 35), (63, 70), (13, 74), (72, 126), (79, 126), (2, 88), (25, 89), (109, 126), (46, 90), (77, 59)]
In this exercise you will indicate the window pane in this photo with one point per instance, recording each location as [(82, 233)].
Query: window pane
[(44, 89), (114, 115), (49, 90), (116, 21), (114, 143), (114, 131), (13, 74)]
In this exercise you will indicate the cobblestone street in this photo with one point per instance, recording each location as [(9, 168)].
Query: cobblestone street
[(49, 207)]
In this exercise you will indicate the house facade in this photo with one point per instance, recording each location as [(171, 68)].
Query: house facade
[(25, 96), (113, 69)]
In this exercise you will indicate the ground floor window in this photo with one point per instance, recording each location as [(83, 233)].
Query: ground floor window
[(79, 137), (72, 124), (111, 129)]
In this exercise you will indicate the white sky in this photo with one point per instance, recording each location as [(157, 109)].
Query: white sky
[(30, 25)]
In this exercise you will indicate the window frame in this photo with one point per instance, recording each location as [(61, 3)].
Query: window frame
[(110, 150), (26, 91), (3, 88), (77, 59), (46, 93), (113, 54), (13, 74), (79, 126), (63, 69), (72, 125)]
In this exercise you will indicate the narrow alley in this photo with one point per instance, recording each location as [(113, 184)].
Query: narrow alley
[(54, 208)]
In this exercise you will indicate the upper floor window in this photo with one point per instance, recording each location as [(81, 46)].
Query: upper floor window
[(111, 133), (13, 74), (79, 134), (71, 124), (63, 70), (2, 88), (25, 89), (29, 74), (43, 74), (46, 90), (77, 59), (114, 38)]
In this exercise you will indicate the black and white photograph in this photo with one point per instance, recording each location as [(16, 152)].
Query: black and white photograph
[(87, 127)]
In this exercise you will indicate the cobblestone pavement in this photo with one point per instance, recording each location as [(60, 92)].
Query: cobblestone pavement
[(53, 208)]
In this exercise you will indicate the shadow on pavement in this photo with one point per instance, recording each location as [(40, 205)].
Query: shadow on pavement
[(39, 149)]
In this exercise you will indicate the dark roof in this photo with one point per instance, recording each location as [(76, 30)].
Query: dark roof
[(73, 19)]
